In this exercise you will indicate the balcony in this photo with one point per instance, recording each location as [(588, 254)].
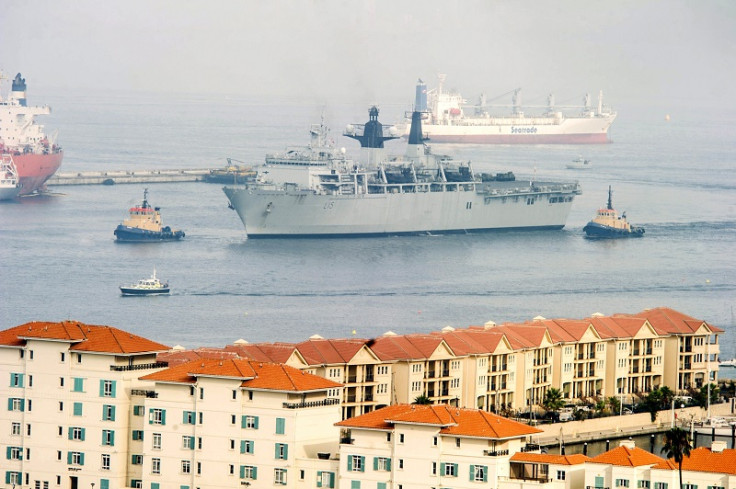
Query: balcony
[(445, 372), (368, 378), (531, 447), (368, 397), (352, 379), (144, 393), (495, 453), (346, 441), (141, 366), (301, 405)]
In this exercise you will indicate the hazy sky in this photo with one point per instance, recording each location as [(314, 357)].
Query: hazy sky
[(376, 49)]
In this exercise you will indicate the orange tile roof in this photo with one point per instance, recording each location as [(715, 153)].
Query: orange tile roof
[(471, 341), (406, 347), (329, 351), (627, 457), (704, 460), (548, 458), (82, 337), (254, 375), (668, 321), (450, 420)]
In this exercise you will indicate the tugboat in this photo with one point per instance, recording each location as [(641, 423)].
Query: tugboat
[(608, 224), (9, 185), (144, 225), (146, 286)]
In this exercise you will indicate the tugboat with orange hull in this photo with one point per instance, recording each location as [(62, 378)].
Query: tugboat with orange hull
[(608, 224), (145, 225)]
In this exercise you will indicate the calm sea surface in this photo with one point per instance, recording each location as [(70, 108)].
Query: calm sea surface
[(58, 259)]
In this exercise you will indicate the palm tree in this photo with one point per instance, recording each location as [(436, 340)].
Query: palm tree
[(553, 400), (422, 400), (677, 446)]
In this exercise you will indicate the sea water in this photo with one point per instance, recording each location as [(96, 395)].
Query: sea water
[(59, 260)]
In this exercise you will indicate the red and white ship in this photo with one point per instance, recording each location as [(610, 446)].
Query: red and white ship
[(449, 120), (36, 156)]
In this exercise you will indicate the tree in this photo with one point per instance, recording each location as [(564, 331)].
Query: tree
[(553, 400), (422, 400), (701, 397), (667, 396), (677, 446), (614, 404), (652, 403)]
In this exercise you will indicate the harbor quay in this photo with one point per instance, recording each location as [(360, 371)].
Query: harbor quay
[(95, 406)]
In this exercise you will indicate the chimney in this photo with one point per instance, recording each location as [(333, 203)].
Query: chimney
[(718, 446), (630, 444)]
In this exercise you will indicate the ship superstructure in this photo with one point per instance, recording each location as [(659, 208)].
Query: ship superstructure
[(449, 119), (416, 193), (36, 156)]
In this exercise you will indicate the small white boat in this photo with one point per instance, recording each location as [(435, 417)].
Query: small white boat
[(146, 286), (9, 184), (579, 163)]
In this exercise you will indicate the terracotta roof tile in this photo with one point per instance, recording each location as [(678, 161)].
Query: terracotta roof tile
[(450, 420), (704, 460), (628, 457), (82, 337), (254, 375), (546, 458)]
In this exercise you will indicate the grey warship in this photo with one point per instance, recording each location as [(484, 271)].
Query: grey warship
[(417, 193)]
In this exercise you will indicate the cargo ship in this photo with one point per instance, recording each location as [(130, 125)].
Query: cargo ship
[(36, 156), (448, 119), (416, 193)]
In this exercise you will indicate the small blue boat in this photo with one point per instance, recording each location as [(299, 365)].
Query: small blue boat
[(146, 286), (144, 225), (608, 224)]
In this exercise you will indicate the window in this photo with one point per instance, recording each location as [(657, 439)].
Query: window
[(157, 416), (325, 479), (76, 433), (434, 468), (434, 441), (107, 388), (689, 486), (382, 464), (62, 356), (280, 426), (13, 477), (137, 434), (457, 442), (401, 463), (108, 412), (232, 419), (235, 394), (15, 453), (479, 473), (449, 470), (246, 446), (199, 468), (136, 459), (201, 418), (248, 472), (561, 475), (187, 442), (108, 437), (660, 485), (282, 451), (186, 467), (622, 482), (156, 441), (138, 410), (105, 461), (716, 487), (356, 463), (61, 405), (643, 484), (15, 404), (401, 438), (78, 384), (136, 483), (188, 417), (201, 392), (155, 465), (279, 476), (75, 458), (249, 422), (16, 380), (77, 409), (15, 429)]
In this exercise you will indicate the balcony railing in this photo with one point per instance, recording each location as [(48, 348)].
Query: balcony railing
[(368, 378), (346, 441), (300, 405), (531, 447), (495, 453), (140, 366), (144, 393)]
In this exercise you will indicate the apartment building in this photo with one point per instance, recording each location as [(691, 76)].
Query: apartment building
[(418, 446), (67, 392), (530, 470), (704, 468), (622, 467)]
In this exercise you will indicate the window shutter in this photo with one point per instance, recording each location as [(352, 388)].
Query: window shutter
[(154, 485), (112, 438), (332, 479), (83, 431), (255, 473), (454, 473), (7, 477), (388, 464), (81, 459), (242, 422), (184, 419), (286, 453), (7, 453), (319, 478), (255, 423), (375, 463), (104, 484), (242, 471), (485, 473), (362, 464), (69, 457), (10, 404), (112, 391), (77, 409), (280, 426), (442, 468), (102, 388), (276, 450), (242, 446), (472, 473), (70, 432), (163, 415), (350, 461)]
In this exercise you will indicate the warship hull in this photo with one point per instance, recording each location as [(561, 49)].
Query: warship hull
[(279, 213)]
